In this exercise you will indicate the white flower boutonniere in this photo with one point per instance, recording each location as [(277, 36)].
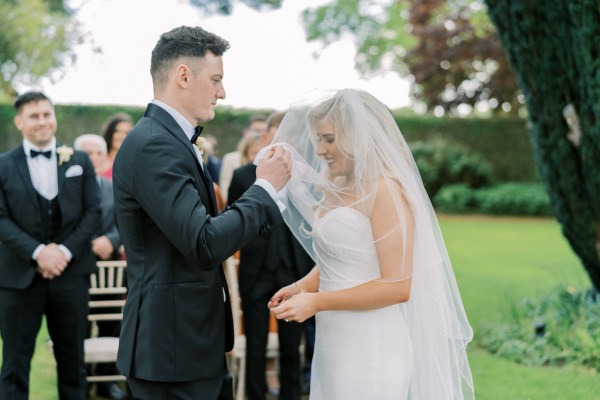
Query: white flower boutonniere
[(64, 154), (200, 144)]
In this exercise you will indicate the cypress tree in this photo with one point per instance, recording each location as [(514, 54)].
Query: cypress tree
[(554, 49)]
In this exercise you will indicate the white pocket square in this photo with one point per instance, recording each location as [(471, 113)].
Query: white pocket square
[(74, 170)]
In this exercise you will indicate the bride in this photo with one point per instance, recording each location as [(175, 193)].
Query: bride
[(390, 321)]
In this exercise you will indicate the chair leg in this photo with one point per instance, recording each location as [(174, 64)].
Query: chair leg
[(241, 383)]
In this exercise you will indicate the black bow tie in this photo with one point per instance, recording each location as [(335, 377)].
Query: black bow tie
[(197, 133), (34, 153)]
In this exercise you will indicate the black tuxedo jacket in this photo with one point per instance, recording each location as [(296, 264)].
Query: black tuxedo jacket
[(276, 249), (21, 229), (176, 325)]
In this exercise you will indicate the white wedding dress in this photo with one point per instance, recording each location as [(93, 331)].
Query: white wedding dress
[(360, 355)]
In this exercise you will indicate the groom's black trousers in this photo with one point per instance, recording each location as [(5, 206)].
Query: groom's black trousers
[(205, 389)]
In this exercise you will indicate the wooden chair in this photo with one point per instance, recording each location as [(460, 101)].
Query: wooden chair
[(237, 357), (108, 282)]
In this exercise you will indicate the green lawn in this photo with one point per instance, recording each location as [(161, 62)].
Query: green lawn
[(497, 262)]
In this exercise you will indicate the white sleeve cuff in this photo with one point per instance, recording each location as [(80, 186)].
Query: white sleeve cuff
[(37, 250), (265, 184), (67, 252)]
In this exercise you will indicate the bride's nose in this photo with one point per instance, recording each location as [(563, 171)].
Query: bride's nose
[(321, 149)]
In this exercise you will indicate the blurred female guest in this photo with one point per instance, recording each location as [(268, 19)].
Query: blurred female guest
[(115, 129)]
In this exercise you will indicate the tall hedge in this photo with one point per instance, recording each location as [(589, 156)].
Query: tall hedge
[(504, 142), (75, 120), (554, 48)]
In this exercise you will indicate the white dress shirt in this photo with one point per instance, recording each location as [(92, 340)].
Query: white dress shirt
[(44, 177), (42, 170)]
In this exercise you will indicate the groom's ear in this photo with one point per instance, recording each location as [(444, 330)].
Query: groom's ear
[(182, 72)]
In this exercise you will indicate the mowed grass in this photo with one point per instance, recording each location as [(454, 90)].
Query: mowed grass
[(497, 262)]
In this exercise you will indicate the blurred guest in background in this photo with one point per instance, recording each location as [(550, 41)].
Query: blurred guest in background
[(105, 246), (213, 163), (256, 126), (115, 129)]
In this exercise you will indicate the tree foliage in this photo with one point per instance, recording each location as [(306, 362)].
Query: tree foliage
[(448, 47), (36, 40), (226, 6), (554, 48)]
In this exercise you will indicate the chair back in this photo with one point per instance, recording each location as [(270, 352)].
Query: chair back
[(104, 285), (108, 290)]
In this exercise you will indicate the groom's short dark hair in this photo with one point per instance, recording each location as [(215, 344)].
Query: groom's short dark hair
[(184, 41)]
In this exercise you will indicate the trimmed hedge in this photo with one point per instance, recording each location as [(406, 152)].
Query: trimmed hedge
[(75, 120), (503, 142)]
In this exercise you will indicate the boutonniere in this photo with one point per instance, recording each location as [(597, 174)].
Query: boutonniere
[(200, 144), (64, 154)]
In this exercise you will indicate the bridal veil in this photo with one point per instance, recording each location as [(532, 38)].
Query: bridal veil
[(369, 136)]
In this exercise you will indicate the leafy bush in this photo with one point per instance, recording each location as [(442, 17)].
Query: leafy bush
[(514, 199), (441, 163), (457, 198), (562, 328), (526, 199)]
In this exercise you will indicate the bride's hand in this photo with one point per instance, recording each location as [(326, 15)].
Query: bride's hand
[(298, 308), (283, 294)]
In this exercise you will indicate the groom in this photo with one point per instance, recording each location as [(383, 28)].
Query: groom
[(177, 322)]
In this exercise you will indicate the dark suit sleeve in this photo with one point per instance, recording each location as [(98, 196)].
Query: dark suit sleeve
[(11, 234), (164, 185), (79, 238), (112, 234), (114, 237)]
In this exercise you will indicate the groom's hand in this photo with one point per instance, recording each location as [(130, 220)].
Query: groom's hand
[(275, 167)]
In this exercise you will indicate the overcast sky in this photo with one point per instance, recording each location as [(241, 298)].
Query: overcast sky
[(269, 64)]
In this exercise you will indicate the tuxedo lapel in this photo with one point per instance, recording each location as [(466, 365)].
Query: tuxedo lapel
[(155, 112), (207, 195), (21, 163)]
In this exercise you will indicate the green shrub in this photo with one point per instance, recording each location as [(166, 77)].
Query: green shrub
[(523, 199), (441, 163), (561, 328), (457, 198), (514, 199)]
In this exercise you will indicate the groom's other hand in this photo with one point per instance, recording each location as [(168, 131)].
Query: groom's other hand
[(276, 167)]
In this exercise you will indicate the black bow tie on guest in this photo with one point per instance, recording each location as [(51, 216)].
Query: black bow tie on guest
[(34, 153), (197, 133)]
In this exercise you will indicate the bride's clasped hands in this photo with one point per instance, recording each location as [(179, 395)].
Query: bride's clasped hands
[(291, 303)]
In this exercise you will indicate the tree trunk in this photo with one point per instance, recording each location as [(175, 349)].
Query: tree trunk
[(554, 48)]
